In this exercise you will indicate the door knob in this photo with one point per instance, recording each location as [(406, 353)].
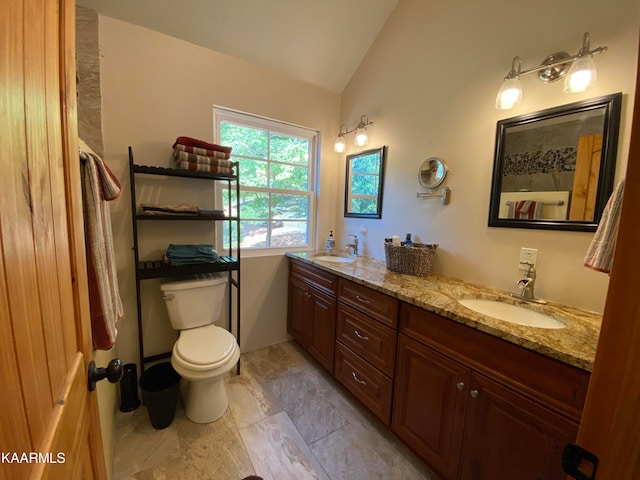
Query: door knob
[(113, 373)]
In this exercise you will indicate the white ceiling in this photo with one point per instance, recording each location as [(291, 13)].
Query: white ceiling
[(321, 42)]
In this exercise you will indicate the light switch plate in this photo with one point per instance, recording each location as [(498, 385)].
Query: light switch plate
[(527, 255)]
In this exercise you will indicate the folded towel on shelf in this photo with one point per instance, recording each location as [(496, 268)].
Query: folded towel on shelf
[(213, 213), (162, 209), (178, 255), (600, 253), (201, 151), (201, 167), (180, 156), (194, 142)]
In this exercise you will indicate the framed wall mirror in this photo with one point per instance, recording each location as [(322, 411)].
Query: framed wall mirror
[(363, 183), (554, 169)]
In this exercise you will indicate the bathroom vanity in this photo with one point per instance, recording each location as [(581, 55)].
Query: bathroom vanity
[(474, 397)]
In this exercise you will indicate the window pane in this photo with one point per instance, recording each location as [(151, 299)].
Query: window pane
[(364, 205), (368, 164), (253, 234), (253, 173), (289, 149), (288, 177), (289, 206), (246, 141), (254, 205), (364, 184), (229, 210), (290, 234)]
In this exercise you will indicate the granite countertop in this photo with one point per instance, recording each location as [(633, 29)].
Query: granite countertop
[(575, 345)]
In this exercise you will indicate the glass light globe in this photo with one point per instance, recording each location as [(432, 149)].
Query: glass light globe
[(509, 94), (361, 137), (581, 75), (339, 146)]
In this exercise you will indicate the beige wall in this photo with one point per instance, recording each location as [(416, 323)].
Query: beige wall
[(156, 88), (90, 130), (429, 83)]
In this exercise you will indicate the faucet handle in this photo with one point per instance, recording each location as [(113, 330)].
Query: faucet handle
[(355, 238)]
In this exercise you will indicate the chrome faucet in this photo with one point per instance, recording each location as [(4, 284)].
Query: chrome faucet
[(527, 285), (353, 245)]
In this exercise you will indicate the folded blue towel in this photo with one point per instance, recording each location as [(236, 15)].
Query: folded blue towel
[(189, 254)]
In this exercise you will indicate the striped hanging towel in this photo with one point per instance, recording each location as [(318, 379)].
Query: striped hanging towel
[(600, 253)]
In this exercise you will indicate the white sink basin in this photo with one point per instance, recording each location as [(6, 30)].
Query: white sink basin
[(511, 313), (335, 259)]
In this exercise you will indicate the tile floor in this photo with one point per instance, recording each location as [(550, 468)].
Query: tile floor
[(287, 419)]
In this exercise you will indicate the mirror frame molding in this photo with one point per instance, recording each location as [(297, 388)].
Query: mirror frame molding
[(382, 151), (612, 105)]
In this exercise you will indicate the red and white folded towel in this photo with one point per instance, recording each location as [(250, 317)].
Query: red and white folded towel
[(203, 167), (180, 156), (194, 142), (201, 151)]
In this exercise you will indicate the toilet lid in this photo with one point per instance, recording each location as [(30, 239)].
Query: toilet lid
[(209, 345)]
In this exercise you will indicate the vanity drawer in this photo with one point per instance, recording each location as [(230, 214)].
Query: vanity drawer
[(366, 383), (558, 385), (371, 340), (316, 277), (375, 304)]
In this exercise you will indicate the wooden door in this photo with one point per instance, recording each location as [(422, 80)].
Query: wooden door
[(585, 178), (429, 404), (610, 426), (322, 313), (509, 436), (49, 424), (298, 325)]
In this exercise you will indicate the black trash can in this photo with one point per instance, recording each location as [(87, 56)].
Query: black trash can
[(159, 386)]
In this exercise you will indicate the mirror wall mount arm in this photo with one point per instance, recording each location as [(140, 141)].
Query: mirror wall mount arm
[(444, 195)]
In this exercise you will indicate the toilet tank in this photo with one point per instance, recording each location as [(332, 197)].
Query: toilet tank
[(196, 301)]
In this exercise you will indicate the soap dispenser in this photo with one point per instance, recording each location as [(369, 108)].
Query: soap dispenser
[(331, 242)]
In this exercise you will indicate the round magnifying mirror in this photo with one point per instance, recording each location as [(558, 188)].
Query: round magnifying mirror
[(432, 172)]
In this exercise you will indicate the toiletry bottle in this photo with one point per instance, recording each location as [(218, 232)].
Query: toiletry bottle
[(331, 242), (408, 242)]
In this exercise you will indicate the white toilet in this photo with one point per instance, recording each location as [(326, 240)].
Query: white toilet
[(204, 352)]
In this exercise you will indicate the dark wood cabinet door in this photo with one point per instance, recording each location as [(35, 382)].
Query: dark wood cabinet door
[(298, 314), (321, 312), (508, 436), (431, 391)]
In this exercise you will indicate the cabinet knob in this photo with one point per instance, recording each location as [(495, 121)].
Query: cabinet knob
[(360, 336), (460, 385), (363, 299), (355, 377), (474, 393)]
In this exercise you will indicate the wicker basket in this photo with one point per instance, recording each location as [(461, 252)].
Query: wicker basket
[(414, 260)]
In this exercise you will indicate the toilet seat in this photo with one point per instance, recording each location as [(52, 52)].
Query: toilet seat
[(204, 348)]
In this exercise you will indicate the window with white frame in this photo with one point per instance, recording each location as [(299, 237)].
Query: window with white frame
[(276, 164)]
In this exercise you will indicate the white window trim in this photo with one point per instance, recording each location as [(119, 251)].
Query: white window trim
[(221, 114)]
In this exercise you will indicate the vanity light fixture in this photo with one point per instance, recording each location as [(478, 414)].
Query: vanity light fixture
[(361, 134), (581, 73)]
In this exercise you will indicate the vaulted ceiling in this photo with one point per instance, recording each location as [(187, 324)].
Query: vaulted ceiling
[(321, 42)]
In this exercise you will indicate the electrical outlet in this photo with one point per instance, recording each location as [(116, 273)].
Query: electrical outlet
[(528, 255)]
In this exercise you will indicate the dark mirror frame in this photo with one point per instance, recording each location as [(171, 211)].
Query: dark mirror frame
[(611, 105), (382, 152)]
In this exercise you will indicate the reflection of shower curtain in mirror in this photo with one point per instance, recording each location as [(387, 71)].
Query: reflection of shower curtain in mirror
[(585, 179)]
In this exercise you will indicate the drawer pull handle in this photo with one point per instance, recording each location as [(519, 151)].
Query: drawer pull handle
[(355, 377), (363, 299), (362, 337), (460, 385), (308, 295), (474, 393)]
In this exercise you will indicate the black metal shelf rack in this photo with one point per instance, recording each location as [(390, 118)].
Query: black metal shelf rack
[(149, 269)]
